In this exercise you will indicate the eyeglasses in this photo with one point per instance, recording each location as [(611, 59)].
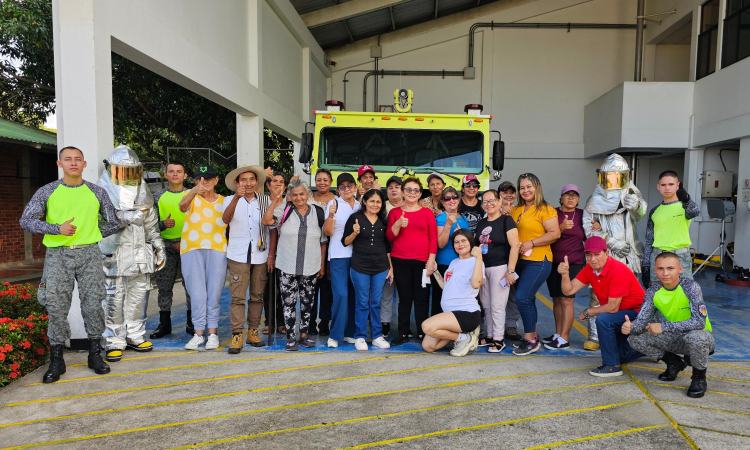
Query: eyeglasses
[(472, 185), (570, 195), (345, 187), (518, 222), (491, 201), (412, 191), (450, 198)]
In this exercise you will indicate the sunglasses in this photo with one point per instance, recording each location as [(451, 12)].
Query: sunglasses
[(413, 191), (518, 222), (449, 198), (344, 187), (472, 185)]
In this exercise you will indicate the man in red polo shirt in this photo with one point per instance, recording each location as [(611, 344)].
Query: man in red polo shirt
[(620, 295)]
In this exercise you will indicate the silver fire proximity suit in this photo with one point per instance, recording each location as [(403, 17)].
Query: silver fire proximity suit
[(616, 205), (130, 255)]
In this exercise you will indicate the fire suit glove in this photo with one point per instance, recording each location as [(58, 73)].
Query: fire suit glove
[(619, 248), (682, 194), (131, 217), (630, 202), (646, 276)]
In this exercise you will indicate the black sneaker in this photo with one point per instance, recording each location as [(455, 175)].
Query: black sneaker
[(548, 339), (306, 342), (497, 346), (526, 347), (291, 345), (398, 340), (556, 345), (386, 329), (606, 371)]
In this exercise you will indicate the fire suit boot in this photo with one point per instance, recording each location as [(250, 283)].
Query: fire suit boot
[(56, 364), (698, 385), (165, 325), (675, 365), (114, 354), (143, 346), (189, 329), (95, 358), (253, 338)]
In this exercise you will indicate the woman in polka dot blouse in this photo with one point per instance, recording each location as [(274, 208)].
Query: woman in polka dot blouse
[(203, 250)]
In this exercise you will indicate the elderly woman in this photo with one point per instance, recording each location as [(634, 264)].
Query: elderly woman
[(322, 306), (435, 184), (460, 321), (203, 253), (537, 225), (413, 231), (448, 222), (340, 258), (300, 256), (371, 266), (498, 239), (570, 244)]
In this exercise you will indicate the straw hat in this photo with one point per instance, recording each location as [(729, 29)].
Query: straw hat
[(260, 175)]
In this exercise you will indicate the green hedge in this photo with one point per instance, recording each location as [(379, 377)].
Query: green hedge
[(24, 344)]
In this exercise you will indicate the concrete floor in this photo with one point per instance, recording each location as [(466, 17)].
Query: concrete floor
[(330, 399)]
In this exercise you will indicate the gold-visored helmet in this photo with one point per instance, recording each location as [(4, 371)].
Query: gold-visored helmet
[(614, 173), (124, 167)]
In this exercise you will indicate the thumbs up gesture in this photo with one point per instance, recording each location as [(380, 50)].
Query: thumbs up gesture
[(332, 209), (295, 177), (626, 326), (67, 228), (402, 222), (564, 267), (449, 220), (356, 226), (169, 221), (567, 224)]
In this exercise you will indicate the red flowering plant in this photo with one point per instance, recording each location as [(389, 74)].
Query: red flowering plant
[(24, 344)]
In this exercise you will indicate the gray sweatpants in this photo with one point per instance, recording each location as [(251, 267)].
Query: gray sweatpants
[(165, 278), (512, 314), (386, 304), (698, 344), (63, 266), (205, 272)]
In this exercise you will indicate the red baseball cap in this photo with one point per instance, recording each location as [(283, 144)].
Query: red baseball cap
[(469, 178), (364, 169), (595, 244)]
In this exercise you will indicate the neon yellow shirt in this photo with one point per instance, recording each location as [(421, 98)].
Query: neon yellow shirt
[(73, 202), (169, 204), (671, 228)]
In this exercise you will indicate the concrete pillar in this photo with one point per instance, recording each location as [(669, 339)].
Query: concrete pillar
[(249, 140), (83, 90), (742, 217)]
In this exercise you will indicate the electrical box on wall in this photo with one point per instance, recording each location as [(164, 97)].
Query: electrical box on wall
[(717, 184)]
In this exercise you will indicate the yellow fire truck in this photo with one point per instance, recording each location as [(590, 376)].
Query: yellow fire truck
[(403, 143)]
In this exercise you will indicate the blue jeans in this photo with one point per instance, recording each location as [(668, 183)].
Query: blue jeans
[(342, 310), (531, 276), (613, 344), (369, 291)]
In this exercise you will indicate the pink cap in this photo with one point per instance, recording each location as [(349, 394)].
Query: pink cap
[(595, 244), (469, 178), (570, 187), (364, 169)]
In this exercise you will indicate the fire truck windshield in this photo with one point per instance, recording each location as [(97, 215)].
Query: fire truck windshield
[(455, 151)]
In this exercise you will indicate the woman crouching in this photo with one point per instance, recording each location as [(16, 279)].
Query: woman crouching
[(461, 317)]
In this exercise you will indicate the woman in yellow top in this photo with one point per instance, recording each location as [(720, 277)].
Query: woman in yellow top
[(203, 250), (537, 225)]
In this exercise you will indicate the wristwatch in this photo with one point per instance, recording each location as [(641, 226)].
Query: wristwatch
[(585, 313), (511, 271)]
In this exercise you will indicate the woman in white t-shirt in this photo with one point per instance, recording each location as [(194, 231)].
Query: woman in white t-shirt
[(461, 316)]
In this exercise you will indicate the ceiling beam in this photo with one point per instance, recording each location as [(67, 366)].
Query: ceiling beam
[(351, 38), (436, 9), (346, 10)]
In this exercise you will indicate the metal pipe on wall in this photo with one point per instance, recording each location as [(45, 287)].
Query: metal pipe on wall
[(406, 73), (639, 41)]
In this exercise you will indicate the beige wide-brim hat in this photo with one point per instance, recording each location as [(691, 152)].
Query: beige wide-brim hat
[(260, 175)]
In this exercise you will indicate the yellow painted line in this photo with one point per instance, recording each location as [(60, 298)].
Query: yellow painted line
[(204, 380), (138, 357), (581, 328), (270, 388), (163, 369), (400, 413), (683, 387), (298, 405), (489, 425), (718, 431), (229, 341), (684, 373), (598, 436), (725, 411), (727, 365), (661, 408)]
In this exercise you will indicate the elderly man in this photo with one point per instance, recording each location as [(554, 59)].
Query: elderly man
[(677, 322), (620, 296)]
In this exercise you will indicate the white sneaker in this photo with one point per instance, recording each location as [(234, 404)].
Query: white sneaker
[(349, 340), (332, 343), (196, 341), (361, 345), (213, 342), (381, 343)]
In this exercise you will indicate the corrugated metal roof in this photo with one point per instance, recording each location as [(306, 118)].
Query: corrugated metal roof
[(19, 132), (378, 21)]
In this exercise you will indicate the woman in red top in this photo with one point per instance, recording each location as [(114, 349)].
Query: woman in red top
[(413, 231)]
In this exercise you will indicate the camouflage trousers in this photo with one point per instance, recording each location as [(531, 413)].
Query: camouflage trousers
[(63, 266), (697, 343), (165, 278)]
